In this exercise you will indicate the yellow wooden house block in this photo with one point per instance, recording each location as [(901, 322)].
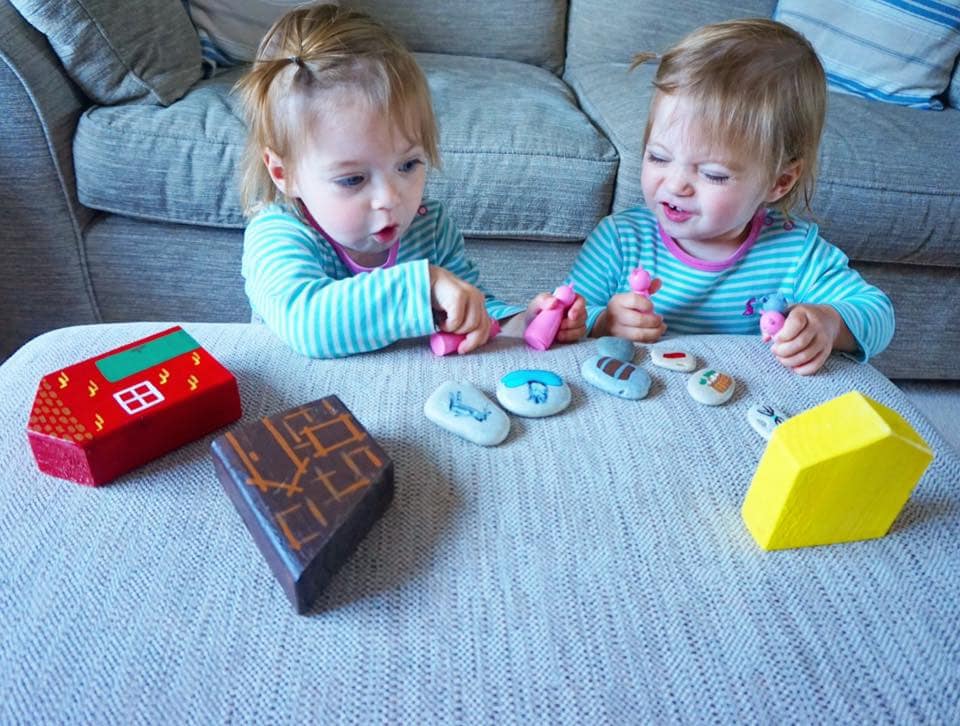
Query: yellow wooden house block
[(838, 472)]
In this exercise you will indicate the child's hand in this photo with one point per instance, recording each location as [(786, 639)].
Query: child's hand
[(631, 316), (809, 335), (461, 307), (574, 323)]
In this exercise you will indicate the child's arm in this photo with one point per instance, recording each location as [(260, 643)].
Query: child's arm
[(631, 315), (451, 256), (317, 315), (838, 310), (597, 274)]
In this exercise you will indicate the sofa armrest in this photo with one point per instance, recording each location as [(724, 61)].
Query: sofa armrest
[(44, 282)]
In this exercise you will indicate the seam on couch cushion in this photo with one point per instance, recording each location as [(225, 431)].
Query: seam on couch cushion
[(116, 53)]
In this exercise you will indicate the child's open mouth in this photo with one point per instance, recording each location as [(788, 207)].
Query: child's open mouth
[(675, 214), (387, 234)]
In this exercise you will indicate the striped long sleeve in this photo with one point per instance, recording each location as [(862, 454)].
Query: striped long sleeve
[(785, 256), (824, 276), (299, 286)]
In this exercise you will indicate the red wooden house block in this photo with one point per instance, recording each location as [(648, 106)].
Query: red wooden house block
[(102, 417)]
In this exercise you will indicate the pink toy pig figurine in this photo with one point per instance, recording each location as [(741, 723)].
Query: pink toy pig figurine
[(640, 281), (542, 330), (442, 343), (772, 317)]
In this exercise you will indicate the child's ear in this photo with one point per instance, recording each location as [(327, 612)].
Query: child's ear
[(785, 181), (276, 170)]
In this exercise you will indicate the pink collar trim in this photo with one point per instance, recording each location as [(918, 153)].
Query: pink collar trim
[(342, 253), (714, 265)]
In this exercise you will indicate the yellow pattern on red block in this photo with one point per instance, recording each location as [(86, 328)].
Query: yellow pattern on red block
[(838, 472)]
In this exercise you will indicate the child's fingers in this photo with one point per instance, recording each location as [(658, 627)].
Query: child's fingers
[(796, 321), (655, 285), (578, 309), (475, 316), (631, 318), (542, 301), (638, 333), (571, 332), (807, 360), (803, 349), (813, 365), (455, 312), (640, 303), (576, 315), (474, 340), (798, 340)]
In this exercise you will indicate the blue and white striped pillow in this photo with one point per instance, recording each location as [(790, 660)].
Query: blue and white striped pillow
[(898, 51)]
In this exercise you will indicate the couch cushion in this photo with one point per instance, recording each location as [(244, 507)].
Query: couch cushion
[(614, 30), (528, 31), (887, 188), (117, 52), (892, 52), (519, 158)]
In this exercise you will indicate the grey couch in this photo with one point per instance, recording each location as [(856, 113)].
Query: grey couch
[(119, 202)]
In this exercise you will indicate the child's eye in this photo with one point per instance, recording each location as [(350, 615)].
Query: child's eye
[(654, 159), (409, 165), (350, 181), (716, 178)]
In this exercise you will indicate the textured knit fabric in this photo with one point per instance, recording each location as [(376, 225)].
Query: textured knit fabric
[(896, 52), (592, 569), (787, 256), (116, 53), (520, 159), (303, 291)]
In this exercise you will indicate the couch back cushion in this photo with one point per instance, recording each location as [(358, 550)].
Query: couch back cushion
[(614, 30), (119, 52), (529, 31), (520, 159)]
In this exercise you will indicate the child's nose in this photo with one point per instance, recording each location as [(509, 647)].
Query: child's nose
[(385, 196), (678, 182)]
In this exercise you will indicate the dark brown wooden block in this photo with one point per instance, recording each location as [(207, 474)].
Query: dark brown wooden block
[(309, 483)]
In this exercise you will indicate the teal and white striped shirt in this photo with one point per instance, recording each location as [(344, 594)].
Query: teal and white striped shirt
[(780, 255), (304, 292)]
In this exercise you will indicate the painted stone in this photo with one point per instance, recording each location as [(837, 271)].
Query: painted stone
[(615, 376), (764, 419), (673, 359), (533, 393), (463, 410), (710, 387), (614, 347)]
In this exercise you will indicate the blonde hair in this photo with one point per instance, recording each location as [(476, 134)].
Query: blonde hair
[(307, 53), (758, 88)]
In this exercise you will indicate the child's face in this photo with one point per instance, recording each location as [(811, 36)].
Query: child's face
[(360, 178), (704, 197)]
